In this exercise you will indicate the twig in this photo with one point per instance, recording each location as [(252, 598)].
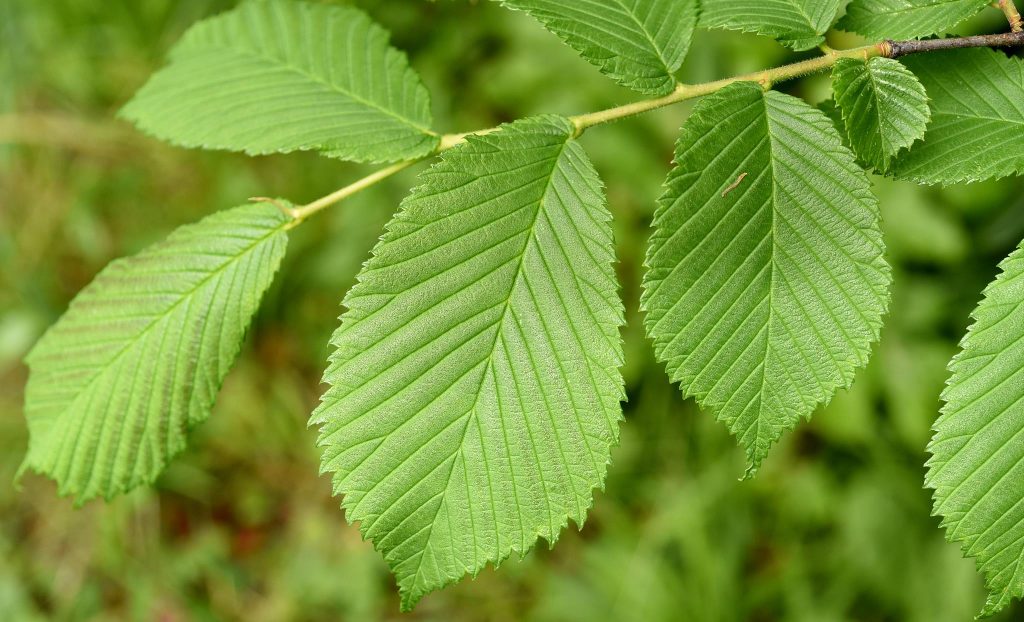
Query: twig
[(304, 212), (903, 48), (683, 92)]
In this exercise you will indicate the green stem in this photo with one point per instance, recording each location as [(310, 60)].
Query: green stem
[(1012, 14), (683, 92), (767, 78), (302, 213)]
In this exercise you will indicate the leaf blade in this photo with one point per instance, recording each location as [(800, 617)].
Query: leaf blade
[(763, 291), (274, 77), (638, 43), (91, 426), (975, 452), (907, 19), (977, 118), (885, 108), (799, 24), (474, 386)]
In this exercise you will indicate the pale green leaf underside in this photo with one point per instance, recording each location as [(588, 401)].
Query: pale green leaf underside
[(277, 76), (638, 43), (800, 24), (885, 108), (977, 463), (475, 392), (907, 19), (136, 362), (766, 279), (977, 103)]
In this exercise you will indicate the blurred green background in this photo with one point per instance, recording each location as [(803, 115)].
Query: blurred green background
[(835, 527)]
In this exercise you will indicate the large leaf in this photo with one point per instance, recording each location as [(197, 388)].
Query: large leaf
[(977, 101), (475, 387), (279, 76), (907, 19), (136, 362), (766, 281), (639, 43), (885, 108), (977, 463), (800, 24)]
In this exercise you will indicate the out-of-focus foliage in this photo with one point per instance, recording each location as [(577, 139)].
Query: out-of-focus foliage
[(835, 527)]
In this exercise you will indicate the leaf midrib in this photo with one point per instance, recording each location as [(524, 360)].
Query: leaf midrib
[(188, 294), (877, 97), (800, 9), (333, 88), (650, 39), (490, 361), (771, 275)]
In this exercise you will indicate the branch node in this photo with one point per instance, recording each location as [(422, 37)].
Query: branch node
[(578, 127), (451, 140)]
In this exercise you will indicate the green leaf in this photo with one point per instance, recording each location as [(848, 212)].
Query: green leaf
[(136, 362), (274, 76), (907, 19), (977, 462), (475, 391), (638, 43), (835, 115), (800, 24), (885, 108), (766, 280), (977, 101)]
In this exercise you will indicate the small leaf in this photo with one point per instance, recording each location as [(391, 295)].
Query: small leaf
[(907, 19), (977, 462), (638, 43), (800, 24), (136, 362), (885, 108), (977, 102), (276, 76), (766, 280), (475, 390)]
